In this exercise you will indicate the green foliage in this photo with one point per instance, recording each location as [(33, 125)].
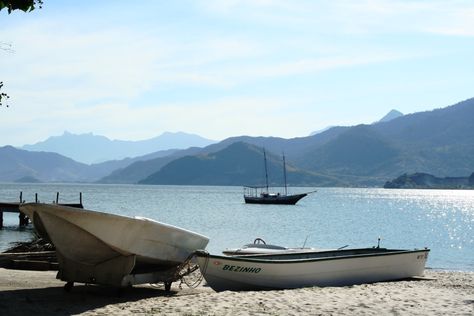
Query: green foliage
[(23, 5)]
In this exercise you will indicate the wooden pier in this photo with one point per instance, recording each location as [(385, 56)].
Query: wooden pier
[(14, 207)]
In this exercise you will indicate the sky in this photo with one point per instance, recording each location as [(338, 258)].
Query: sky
[(132, 70)]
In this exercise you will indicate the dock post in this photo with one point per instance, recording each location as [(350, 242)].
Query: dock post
[(57, 197), (23, 219), (36, 197), (80, 198), (1, 219)]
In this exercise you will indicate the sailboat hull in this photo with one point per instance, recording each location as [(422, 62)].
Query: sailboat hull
[(275, 199)]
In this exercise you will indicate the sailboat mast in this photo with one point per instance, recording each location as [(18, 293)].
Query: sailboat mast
[(284, 174), (266, 171)]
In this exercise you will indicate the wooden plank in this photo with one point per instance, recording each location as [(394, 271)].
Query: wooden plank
[(12, 207), (40, 260), (36, 265)]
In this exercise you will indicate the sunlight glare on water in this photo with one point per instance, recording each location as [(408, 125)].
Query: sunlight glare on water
[(441, 220)]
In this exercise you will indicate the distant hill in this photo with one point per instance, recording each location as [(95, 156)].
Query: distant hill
[(428, 181), (393, 114), (320, 131), (27, 179), (437, 142), (90, 148), (142, 168), (237, 164), (18, 165), (433, 142), (358, 155), (96, 172), (292, 147)]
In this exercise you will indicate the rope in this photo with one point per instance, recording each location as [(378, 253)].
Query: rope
[(187, 268)]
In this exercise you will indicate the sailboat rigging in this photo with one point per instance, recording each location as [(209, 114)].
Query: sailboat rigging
[(251, 195)]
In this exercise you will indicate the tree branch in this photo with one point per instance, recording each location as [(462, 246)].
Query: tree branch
[(3, 95), (23, 5)]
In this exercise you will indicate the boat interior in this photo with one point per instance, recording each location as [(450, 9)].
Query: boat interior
[(329, 254)]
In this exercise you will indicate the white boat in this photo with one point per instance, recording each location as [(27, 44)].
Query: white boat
[(259, 246), (103, 248), (322, 268)]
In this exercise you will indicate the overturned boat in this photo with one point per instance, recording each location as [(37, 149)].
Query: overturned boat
[(103, 248), (303, 269)]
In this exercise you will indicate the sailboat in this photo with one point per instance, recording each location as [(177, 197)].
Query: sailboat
[(251, 195)]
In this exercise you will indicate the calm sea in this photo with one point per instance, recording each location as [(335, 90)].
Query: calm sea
[(442, 220)]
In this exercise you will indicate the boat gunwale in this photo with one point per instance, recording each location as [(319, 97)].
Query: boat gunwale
[(112, 215), (277, 196), (251, 258)]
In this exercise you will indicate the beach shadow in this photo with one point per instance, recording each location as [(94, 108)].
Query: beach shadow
[(82, 298)]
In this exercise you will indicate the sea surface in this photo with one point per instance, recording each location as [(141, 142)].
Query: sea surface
[(442, 220)]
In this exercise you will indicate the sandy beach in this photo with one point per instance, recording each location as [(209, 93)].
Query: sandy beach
[(39, 293)]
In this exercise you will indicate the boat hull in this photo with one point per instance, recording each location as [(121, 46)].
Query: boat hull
[(327, 268), (96, 247), (275, 199)]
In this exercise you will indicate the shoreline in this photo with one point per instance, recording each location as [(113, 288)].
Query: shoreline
[(40, 293)]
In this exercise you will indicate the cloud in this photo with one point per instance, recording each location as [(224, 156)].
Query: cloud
[(127, 71), (354, 17)]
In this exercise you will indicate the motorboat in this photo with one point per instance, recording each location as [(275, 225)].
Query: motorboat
[(103, 248), (304, 269)]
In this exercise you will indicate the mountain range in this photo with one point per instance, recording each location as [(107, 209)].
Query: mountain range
[(237, 164), (438, 142), (90, 148)]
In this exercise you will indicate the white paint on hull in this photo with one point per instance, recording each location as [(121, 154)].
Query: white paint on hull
[(228, 273), (89, 236)]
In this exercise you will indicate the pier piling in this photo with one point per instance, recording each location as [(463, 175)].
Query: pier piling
[(23, 220)]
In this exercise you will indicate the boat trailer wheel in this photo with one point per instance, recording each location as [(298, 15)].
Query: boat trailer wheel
[(68, 286), (259, 241)]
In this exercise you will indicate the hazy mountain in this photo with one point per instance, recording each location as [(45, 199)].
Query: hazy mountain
[(237, 164), (291, 147), (142, 168), (97, 171), (90, 148), (27, 179), (20, 165), (320, 131), (17, 165), (438, 142), (393, 114)]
